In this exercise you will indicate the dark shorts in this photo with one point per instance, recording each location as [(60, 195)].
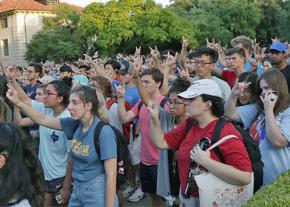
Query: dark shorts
[(53, 186), (148, 177)]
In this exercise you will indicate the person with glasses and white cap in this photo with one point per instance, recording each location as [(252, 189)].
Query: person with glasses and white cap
[(204, 105)]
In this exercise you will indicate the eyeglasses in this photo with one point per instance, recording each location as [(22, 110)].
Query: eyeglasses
[(49, 94), (201, 63), (175, 102)]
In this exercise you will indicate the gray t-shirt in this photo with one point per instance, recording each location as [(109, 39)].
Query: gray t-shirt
[(163, 182), (86, 162)]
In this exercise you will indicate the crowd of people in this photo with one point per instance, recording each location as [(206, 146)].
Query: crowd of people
[(164, 103)]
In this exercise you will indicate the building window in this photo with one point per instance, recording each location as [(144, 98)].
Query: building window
[(4, 22), (5, 47)]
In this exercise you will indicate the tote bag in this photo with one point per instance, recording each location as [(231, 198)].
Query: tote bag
[(215, 192)]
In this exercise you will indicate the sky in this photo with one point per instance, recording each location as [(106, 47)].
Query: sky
[(83, 3)]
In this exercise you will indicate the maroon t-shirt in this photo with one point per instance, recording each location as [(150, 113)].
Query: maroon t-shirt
[(229, 76)]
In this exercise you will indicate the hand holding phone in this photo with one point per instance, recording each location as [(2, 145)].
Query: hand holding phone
[(58, 199)]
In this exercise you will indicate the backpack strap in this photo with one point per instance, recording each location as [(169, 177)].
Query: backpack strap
[(140, 105), (97, 133), (164, 101), (216, 134)]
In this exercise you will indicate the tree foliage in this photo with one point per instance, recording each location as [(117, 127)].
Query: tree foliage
[(59, 39), (121, 25)]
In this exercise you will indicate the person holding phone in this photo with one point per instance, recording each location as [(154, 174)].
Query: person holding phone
[(269, 119)]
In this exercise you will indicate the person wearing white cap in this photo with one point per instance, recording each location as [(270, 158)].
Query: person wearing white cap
[(204, 106)]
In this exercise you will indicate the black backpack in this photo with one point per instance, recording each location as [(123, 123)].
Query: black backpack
[(123, 154), (251, 145)]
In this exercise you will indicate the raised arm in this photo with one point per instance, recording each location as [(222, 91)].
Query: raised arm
[(155, 56), (21, 121), (185, 43), (137, 69), (166, 68), (231, 111), (36, 116), (99, 70), (155, 127), (124, 115), (10, 74)]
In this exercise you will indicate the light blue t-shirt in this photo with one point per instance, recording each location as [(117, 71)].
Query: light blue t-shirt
[(53, 147), (248, 68), (247, 114), (276, 159), (131, 94), (86, 162)]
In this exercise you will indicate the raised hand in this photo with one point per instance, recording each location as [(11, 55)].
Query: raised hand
[(185, 42), (137, 65), (269, 100), (12, 95), (239, 87), (10, 72), (153, 110), (138, 51), (154, 52), (120, 91), (169, 63), (275, 40), (88, 58), (184, 73)]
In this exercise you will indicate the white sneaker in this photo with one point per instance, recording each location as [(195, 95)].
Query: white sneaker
[(136, 196), (128, 191)]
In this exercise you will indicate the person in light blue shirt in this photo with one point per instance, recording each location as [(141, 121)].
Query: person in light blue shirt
[(270, 120), (53, 145), (94, 177)]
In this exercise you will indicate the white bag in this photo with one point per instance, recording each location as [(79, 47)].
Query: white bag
[(134, 147), (215, 192)]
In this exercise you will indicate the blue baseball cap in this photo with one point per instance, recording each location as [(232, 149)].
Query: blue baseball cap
[(278, 46)]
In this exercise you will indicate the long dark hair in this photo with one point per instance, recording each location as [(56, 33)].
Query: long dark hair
[(63, 90), (252, 78), (21, 177)]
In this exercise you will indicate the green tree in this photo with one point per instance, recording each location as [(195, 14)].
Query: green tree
[(58, 45), (285, 21), (59, 40), (120, 26), (219, 19), (271, 15)]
